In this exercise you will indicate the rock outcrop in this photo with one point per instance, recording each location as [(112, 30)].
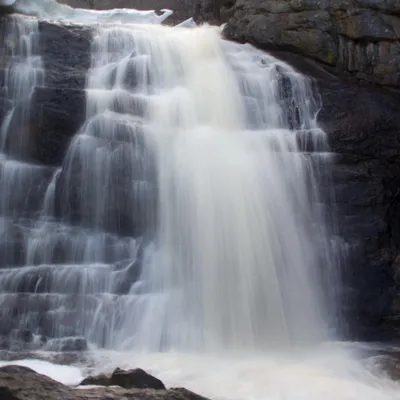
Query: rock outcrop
[(135, 378), (363, 126), (356, 37), (21, 383)]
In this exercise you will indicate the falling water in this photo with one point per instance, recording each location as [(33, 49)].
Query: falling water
[(23, 72), (240, 234), (188, 217), (186, 210)]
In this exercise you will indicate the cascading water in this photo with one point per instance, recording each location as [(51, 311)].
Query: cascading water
[(237, 256), (23, 74), (189, 215), (213, 137)]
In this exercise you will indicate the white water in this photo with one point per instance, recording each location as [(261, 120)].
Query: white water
[(240, 232), (232, 285), (51, 9), (62, 373), (332, 372)]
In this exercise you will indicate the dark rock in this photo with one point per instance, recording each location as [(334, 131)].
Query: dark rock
[(55, 117), (182, 393), (65, 51), (67, 344), (134, 378), (12, 247), (97, 380), (4, 10), (4, 343), (16, 369), (362, 125), (360, 38), (25, 335), (5, 103), (21, 383)]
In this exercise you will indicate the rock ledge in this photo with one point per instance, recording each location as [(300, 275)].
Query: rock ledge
[(21, 383)]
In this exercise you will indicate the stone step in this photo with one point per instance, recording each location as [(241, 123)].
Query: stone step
[(48, 241), (89, 278), (111, 126), (118, 176), (131, 73), (22, 186), (119, 100), (56, 316)]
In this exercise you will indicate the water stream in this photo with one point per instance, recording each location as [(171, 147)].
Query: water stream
[(189, 227)]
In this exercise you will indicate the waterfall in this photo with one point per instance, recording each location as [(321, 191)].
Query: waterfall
[(241, 232), (187, 213), (23, 73), (189, 227)]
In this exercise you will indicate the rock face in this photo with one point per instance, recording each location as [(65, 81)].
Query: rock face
[(363, 125), (135, 378), (358, 37), (21, 383)]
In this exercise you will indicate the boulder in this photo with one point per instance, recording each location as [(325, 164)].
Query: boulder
[(21, 383), (134, 378), (358, 38)]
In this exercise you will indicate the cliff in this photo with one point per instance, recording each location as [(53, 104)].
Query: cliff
[(359, 38)]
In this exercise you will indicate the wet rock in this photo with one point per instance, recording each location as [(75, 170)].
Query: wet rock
[(56, 114), (97, 380), (5, 103), (362, 124), (134, 378), (21, 383), (25, 335), (65, 51), (67, 344)]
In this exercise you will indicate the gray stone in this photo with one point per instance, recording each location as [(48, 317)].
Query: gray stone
[(21, 383), (135, 378), (361, 38), (70, 344)]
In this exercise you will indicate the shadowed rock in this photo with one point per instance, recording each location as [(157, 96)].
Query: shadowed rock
[(71, 344), (21, 383), (134, 378)]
